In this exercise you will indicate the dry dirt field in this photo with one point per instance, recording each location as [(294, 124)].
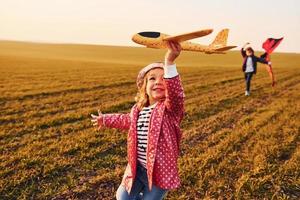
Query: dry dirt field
[(233, 147)]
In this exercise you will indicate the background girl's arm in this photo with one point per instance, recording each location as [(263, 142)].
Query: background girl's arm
[(263, 60), (243, 50)]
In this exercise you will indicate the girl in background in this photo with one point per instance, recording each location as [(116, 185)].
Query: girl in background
[(250, 64)]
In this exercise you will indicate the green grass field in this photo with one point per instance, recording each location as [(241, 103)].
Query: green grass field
[(233, 147)]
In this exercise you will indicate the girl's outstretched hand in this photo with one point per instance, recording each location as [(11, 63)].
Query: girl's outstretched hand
[(174, 49), (97, 120)]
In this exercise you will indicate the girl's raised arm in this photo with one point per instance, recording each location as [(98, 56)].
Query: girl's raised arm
[(175, 95)]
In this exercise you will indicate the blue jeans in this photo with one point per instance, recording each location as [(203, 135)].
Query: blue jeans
[(140, 189), (248, 77)]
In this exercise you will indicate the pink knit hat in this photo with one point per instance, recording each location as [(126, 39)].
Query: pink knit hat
[(143, 72)]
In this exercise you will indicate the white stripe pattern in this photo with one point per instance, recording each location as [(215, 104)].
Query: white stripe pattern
[(142, 133)]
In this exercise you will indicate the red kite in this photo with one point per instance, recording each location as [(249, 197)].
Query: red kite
[(269, 46)]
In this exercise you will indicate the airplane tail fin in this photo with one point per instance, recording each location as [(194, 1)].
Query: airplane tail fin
[(220, 40)]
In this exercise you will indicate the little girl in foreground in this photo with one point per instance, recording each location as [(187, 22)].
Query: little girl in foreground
[(153, 131)]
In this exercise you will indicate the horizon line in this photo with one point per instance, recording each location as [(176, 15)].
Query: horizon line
[(98, 44)]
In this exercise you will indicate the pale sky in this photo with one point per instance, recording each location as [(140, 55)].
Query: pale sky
[(113, 22)]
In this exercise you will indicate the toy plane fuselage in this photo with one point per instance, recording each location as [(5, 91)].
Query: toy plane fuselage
[(159, 40)]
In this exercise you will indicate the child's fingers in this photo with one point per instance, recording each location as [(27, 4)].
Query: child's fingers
[(93, 122), (173, 46), (178, 47), (170, 46), (94, 116)]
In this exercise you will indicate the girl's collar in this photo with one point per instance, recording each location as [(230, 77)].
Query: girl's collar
[(153, 105)]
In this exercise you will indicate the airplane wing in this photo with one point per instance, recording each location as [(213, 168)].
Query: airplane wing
[(226, 48), (188, 36), (214, 52)]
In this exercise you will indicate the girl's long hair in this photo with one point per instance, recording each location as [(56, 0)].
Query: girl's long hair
[(141, 98)]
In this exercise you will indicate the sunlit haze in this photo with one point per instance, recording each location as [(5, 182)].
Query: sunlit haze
[(114, 22)]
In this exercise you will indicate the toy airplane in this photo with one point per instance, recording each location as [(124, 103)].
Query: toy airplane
[(158, 40)]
